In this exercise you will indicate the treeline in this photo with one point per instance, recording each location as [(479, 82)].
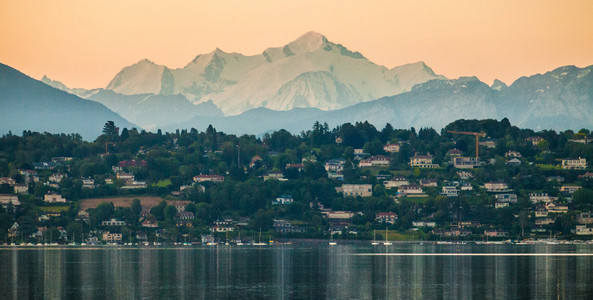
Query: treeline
[(174, 158)]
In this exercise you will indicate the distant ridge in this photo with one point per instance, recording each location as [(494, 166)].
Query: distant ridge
[(29, 104), (560, 99)]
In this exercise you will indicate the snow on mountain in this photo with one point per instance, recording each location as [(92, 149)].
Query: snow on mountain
[(307, 72), (144, 77)]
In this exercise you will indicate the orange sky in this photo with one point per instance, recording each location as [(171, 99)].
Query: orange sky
[(85, 43)]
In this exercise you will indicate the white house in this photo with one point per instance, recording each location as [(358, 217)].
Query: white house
[(53, 198), (574, 164), (353, 190), (395, 182)]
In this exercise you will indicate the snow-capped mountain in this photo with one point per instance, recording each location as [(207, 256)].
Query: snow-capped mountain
[(308, 72)]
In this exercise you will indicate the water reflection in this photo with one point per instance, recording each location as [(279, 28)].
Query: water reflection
[(284, 272)]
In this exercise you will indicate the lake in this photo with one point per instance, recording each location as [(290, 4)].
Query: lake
[(312, 271)]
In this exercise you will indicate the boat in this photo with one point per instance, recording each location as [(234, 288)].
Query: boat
[(374, 242), (331, 239), (387, 242), (259, 243)]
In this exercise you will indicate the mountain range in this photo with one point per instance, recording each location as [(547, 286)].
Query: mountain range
[(29, 104), (312, 79)]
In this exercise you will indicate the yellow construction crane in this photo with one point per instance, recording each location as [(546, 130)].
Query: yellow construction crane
[(476, 134)]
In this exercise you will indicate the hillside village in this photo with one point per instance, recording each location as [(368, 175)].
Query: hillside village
[(475, 180)]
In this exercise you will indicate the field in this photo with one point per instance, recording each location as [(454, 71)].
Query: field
[(146, 201)]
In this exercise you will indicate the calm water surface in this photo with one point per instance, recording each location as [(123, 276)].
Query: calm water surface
[(401, 271)]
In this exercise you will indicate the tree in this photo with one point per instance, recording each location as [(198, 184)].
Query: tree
[(110, 130), (170, 212)]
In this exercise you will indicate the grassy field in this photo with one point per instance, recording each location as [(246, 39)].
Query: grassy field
[(55, 209), (145, 201)]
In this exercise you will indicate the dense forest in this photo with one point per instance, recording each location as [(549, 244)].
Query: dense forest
[(169, 163)]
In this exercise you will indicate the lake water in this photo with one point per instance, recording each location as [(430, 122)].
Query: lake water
[(312, 271)]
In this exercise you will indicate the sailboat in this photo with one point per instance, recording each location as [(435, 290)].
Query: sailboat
[(259, 243), (331, 239), (387, 242), (374, 242), (239, 242)]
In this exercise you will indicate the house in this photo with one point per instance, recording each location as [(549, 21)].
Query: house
[(208, 178), (221, 228), (464, 162), (496, 187), (462, 224), (56, 177), (284, 226), (254, 161), (378, 160), (112, 237), (5, 199), (454, 152), (495, 233), (544, 221), (61, 159), (534, 140), (541, 213), (294, 166), (585, 218), (396, 182), (88, 183), (30, 175), (354, 190), (574, 164), (541, 197), (513, 162), (450, 191), (334, 165), (465, 175), (411, 189), (501, 204), (284, 199), (53, 198), (308, 157), (557, 209), (179, 205), (113, 222), (45, 165), (391, 148), (21, 188), (7, 180), (185, 216), (422, 161), (506, 198), (132, 163), (428, 182), (386, 217), (512, 154), (583, 230), (420, 224), (337, 215), (83, 215), (569, 189), (488, 143), (465, 186), (586, 176), (149, 224), (127, 177), (275, 175)]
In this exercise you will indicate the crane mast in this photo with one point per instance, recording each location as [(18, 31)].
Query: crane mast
[(476, 134)]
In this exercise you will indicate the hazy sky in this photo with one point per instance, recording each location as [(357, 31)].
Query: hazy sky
[(85, 43)]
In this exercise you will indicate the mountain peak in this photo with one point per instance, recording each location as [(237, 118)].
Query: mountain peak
[(308, 42)]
